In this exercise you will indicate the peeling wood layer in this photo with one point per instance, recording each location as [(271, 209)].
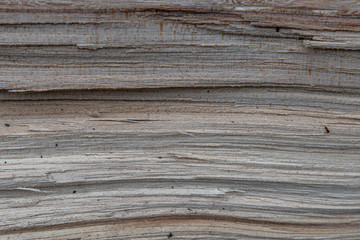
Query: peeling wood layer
[(140, 44)]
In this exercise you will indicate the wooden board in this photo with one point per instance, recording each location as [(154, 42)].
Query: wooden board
[(179, 119)]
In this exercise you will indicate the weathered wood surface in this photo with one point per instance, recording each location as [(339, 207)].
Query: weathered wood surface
[(204, 119), (49, 45)]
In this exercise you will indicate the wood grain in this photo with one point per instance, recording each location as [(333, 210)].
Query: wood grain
[(140, 44), (179, 119)]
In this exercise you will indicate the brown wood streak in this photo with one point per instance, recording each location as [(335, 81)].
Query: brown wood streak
[(171, 219)]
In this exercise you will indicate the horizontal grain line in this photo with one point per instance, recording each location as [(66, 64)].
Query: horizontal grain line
[(167, 218), (302, 87)]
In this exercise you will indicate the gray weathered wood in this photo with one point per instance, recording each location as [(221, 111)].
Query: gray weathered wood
[(204, 119)]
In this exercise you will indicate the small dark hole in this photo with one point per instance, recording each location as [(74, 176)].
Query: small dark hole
[(160, 157), (41, 156), (277, 29), (7, 125), (170, 235), (5, 162), (327, 129), (56, 145), (208, 91), (172, 187), (93, 128), (74, 191)]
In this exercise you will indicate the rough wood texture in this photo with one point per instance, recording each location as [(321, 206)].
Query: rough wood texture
[(179, 119)]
